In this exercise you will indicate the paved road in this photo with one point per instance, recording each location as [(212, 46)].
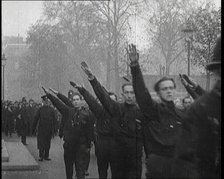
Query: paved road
[(53, 169)]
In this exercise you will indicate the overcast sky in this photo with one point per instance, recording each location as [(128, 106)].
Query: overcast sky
[(17, 16)]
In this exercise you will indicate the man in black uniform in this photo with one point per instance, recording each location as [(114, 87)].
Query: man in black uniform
[(77, 134), (46, 119), (105, 146), (126, 127), (198, 153), (69, 103), (162, 120)]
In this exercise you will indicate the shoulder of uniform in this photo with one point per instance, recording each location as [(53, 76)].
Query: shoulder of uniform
[(84, 108)]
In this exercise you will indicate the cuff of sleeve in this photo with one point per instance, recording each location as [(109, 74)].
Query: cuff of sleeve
[(133, 64), (93, 81), (91, 78)]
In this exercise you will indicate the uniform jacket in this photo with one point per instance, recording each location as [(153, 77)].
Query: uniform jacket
[(125, 117), (103, 126), (77, 125), (67, 102), (162, 120), (199, 146)]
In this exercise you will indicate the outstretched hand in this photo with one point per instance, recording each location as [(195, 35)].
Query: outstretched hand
[(74, 84), (133, 55), (183, 81), (46, 92), (87, 70), (54, 91), (190, 81)]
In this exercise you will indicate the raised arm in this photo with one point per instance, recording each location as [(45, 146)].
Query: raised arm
[(193, 88), (199, 90), (62, 108), (111, 106), (94, 106), (143, 97), (63, 98), (189, 89)]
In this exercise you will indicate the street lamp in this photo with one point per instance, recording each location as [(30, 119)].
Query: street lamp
[(3, 77), (188, 31)]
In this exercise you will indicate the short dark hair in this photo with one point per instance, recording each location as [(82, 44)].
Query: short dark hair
[(125, 84), (111, 93), (165, 78), (186, 97)]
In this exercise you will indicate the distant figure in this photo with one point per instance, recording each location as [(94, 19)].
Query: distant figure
[(186, 101), (23, 124), (178, 103), (9, 120), (31, 112), (45, 118)]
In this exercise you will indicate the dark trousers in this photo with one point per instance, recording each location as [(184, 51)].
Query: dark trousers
[(75, 153), (43, 144), (8, 129), (132, 161), (87, 159), (159, 166), (23, 139), (44, 153), (128, 159), (107, 154)]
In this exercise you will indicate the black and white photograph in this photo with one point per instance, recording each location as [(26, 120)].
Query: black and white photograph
[(111, 89)]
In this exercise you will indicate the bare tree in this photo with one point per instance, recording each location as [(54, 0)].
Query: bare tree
[(207, 25), (165, 25), (116, 13)]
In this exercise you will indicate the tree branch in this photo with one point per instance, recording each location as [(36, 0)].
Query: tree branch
[(176, 56)]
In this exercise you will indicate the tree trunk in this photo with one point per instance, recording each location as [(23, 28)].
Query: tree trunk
[(207, 73), (116, 70), (167, 66), (108, 50), (207, 80)]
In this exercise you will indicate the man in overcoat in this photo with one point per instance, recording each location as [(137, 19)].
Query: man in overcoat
[(46, 119)]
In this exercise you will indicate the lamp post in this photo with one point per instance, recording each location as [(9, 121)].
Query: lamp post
[(3, 75), (188, 31)]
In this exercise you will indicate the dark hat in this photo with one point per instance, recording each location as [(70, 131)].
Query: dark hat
[(216, 58), (23, 99), (70, 93), (31, 100), (44, 97)]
